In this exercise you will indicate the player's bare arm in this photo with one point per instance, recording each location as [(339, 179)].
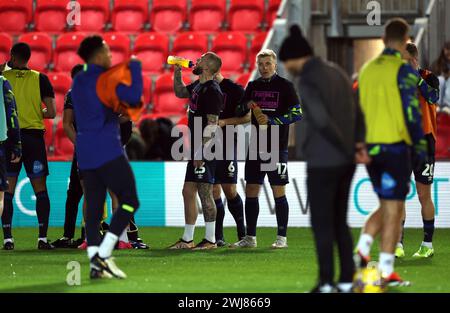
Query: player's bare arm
[(178, 86), (50, 108), (236, 120), (69, 129)]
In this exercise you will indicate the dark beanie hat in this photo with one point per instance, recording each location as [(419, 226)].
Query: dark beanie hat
[(295, 45)]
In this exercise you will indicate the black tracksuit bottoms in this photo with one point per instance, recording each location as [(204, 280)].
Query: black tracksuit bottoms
[(328, 192)]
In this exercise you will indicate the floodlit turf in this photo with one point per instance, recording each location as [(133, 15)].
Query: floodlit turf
[(27, 269)]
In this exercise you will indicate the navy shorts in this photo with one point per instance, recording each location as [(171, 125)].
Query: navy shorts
[(226, 172), (390, 170), (204, 174), (34, 155), (424, 170), (3, 179), (278, 177)]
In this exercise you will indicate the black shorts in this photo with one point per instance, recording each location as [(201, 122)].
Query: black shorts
[(424, 170), (390, 171), (3, 179), (204, 174), (34, 155), (226, 172), (278, 177)]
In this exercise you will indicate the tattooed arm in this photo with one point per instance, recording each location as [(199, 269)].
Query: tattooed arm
[(178, 85)]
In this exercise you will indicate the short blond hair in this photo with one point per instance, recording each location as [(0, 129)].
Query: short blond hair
[(266, 53)]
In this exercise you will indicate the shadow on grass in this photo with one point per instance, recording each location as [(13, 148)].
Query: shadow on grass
[(43, 252), (164, 252), (61, 287), (39, 288), (414, 261)]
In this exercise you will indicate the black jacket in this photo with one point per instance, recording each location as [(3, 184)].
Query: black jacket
[(332, 116)]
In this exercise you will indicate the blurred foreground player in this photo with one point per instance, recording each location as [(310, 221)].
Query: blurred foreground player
[(335, 130), (428, 88), (100, 153), (389, 101), (75, 190)]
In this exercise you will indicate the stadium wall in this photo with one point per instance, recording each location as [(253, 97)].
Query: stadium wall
[(159, 188)]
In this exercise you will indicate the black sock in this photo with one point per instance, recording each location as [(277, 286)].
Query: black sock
[(83, 233), (428, 230), (251, 215), (219, 219), (403, 232), (132, 233), (42, 212), (236, 208), (282, 213), (7, 215)]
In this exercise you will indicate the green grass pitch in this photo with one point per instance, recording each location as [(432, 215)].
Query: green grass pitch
[(27, 269)]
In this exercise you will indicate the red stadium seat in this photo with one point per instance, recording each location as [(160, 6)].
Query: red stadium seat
[(271, 13), (129, 15), (151, 49), (243, 79), (15, 15), (257, 44), (183, 120), (63, 146), (94, 15), (190, 45), (245, 15), (119, 45), (61, 84), (65, 56), (164, 99), (50, 16), (147, 81), (232, 48), (5, 47), (443, 137), (41, 50), (207, 15), (168, 15)]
